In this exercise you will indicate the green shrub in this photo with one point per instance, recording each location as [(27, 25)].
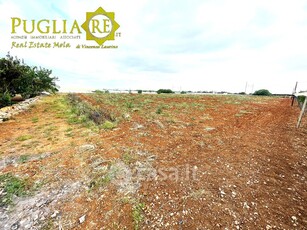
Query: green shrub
[(23, 158), (5, 100), (108, 125), (300, 100), (99, 91), (140, 91), (35, 119), (159, 110), (129, 105), (164, 91), (262, 92)]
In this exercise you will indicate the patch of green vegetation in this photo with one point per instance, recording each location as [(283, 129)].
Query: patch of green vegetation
[(100, 181), (262, 92), (69, 130), (128, 158), (108, 125), (164, 91), (37, 185), (101, 91), (23, 158), (126, 200), (159, 110), (49, 225), (301, 99), (24, 138), (51, 128), (69, 134), (129, 105), (35, 119), (90, 116), (137, 214), (11, 186)]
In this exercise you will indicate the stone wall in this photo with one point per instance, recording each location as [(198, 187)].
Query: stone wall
[(8, 112)]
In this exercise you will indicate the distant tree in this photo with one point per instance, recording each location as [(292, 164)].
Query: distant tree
[(183, 92), (262, 92), (140, 91), (164, 91), (242, 93), (98, 91)]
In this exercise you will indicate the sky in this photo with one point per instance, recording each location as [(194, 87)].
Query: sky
[(216, 45)]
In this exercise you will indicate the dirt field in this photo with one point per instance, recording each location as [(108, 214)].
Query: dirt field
[(164, 162)]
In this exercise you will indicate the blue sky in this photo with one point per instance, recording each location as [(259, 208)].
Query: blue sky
[(188, 45)]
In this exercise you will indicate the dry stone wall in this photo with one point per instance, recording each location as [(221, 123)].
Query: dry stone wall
[(8, 112)]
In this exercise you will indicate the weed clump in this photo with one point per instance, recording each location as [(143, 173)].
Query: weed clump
[(24, 138), (11, 186), (137, 214), (87, 112), (159, 110), (108, 125)]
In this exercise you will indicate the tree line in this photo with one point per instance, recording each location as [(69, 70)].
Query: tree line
[(16, 77)]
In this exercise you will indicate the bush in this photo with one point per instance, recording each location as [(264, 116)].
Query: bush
[(18, 78), (300, 100), (159, 110), (108, 125), (262, 92), (140, 91), (164, 91), (183, 92), (5, 99)]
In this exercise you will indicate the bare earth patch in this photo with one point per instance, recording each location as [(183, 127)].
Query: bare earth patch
[(167, 162)]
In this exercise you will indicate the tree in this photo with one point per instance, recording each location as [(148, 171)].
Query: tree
[(164, 91), (10, 71), (262, 92), (18, 78)]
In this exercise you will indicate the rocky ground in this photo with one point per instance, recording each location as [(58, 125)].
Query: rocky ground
[(171, 162)]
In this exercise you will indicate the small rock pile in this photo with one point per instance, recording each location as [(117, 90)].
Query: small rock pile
[(7, 112)]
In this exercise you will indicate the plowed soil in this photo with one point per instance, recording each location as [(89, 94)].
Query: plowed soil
[(171, 162)]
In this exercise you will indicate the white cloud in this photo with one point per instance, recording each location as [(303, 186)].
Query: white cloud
[(195, 45)]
